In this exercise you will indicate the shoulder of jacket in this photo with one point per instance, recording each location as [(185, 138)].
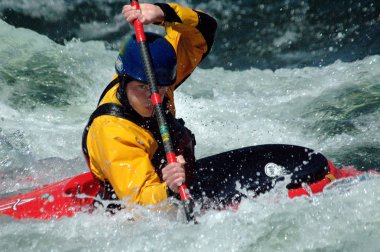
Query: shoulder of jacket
[(121, 130), (113, 124)]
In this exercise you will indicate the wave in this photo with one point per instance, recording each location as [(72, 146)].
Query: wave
[(274, 34), (49, 90)]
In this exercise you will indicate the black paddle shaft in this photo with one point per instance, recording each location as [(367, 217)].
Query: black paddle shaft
[(188, 203)]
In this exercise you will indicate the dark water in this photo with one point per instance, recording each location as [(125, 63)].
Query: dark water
[(48, 89), (262, 34)]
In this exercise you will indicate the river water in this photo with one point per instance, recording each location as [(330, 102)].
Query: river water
[(291, 72)]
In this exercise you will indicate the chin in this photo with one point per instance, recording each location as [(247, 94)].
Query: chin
[(147, 114)]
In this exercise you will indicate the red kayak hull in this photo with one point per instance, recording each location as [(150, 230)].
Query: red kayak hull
[(318, 186), (60, 199)]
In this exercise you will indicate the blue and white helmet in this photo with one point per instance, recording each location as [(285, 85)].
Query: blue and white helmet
[(164, 60)]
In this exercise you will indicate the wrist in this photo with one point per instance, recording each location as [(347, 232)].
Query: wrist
[(161, 14), (169, 15)]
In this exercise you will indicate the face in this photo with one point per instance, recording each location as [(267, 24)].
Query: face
[(138, 94)]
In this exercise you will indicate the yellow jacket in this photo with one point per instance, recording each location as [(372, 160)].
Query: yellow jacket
[(119, 150)]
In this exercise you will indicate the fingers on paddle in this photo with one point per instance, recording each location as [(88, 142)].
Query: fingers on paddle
[(131, 14)]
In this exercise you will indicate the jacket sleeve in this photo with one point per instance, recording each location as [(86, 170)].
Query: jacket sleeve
[(191, 32), (120, 153)]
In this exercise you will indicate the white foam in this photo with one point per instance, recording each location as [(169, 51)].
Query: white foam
[(226, 109)]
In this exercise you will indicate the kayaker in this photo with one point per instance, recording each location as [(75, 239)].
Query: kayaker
[(122, 142)]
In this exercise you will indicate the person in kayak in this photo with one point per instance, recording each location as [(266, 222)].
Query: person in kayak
[(122, 142)]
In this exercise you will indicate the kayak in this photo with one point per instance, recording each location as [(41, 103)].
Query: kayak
[(220, 180), (60, 199)]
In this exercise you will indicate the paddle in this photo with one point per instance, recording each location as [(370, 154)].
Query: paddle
[(159, 111)]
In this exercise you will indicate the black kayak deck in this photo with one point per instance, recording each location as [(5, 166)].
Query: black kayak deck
[(256, 169)]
